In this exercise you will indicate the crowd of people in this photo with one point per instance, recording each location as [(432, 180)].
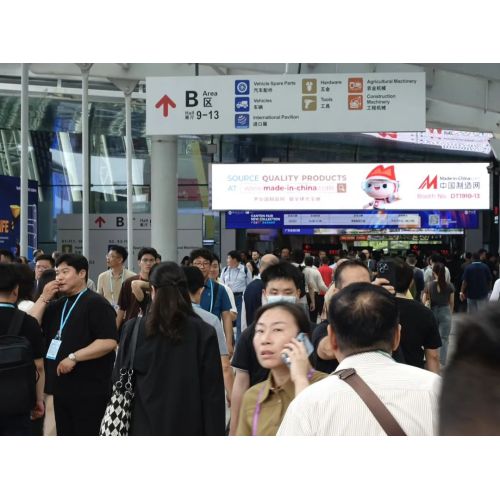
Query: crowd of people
[(277, 344)]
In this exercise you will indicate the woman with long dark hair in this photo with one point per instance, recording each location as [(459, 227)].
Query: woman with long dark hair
[(179, 388), (440, 295)]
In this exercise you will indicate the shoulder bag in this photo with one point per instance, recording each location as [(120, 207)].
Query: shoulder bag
[(383, 416)]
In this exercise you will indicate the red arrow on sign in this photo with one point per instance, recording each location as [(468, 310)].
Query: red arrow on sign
[(100, 221), (165, 101)]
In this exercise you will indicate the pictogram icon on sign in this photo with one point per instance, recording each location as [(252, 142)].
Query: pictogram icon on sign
[(165, 101), (100, 221)]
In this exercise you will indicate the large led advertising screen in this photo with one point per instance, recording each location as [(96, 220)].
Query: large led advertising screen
[(350, 186)]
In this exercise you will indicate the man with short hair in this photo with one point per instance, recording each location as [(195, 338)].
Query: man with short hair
[(315, 285), (285, 254), (420, 338), (281, 283), (364, 330), (476, 284), (109, 283), (81, 335), (214, 298), (129, 306), (470, 397), (6, 256), (256, 256), (16, 421), (43, 263), (252, 298), (237, 277), (196, 284)]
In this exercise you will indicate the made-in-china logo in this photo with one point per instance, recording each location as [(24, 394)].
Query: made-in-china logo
[(429, 184)]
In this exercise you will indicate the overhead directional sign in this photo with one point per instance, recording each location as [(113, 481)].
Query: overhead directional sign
[(371, 102)]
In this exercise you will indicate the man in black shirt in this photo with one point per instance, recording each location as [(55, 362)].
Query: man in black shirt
[(19, 424), (80, 329), (419, 329)]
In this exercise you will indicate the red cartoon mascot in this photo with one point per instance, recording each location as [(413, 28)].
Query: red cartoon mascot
[(382, 186)]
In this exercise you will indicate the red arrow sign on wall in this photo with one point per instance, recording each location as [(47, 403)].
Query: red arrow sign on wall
[(165, 101), (100, 221)]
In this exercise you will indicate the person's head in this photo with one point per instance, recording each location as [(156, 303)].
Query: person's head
[(468, 256), (436, 257), (281, 282), (285, 253), (404, 275), (23, 260), (366, 252), (325, 261), (438, 271), (253, 265), (482, 252), (171, 303), (243, 257), (214, 267), (26, 281), (321, 254), (56, 255), (476, 256), (37, 252), (147, 259), (298, 256), (202, 259), (275, 326), (470, 392), (71, 273), (309, 261), (350, 271), (158, 258), (46, 277), (233, 259), (411, 259), (42, 263), (6, 256), (255, 255), (363, 317), (116, 256), (9, 283), (267, 260), (185, 261), (195, 283)]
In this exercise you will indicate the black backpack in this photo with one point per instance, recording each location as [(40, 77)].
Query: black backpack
[(18, 372)]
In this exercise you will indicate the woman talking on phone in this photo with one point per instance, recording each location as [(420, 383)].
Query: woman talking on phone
[(264, 405)]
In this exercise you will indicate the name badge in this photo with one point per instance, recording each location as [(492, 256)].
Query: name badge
[(53, 349)]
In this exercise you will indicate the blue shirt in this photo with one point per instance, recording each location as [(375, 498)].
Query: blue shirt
[(221, 302), (477, 277)]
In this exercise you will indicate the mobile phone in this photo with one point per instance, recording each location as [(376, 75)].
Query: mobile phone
[(301, 337), (387, 269)]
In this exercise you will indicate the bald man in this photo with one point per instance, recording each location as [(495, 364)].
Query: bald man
[(252, 298)]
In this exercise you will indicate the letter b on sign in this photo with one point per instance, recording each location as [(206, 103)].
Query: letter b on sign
[(120, 222), (191, 99)]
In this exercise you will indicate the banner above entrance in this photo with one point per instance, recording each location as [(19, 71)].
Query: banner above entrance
[(371, 102), (350, 186)]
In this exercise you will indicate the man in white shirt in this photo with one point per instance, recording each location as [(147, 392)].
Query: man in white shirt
[(236, 276), (364, 331), (314, 285), (109, 283)]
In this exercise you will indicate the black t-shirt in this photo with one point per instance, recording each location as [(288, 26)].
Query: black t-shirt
[(419, 331), (245, 358), (92, 318), (29, 329), (322, 365)]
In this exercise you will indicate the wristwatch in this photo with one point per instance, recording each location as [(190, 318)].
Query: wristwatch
[(72, 357)]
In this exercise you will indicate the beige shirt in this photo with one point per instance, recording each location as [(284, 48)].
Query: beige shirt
[(332, 408), (273, 405), (109, 286)]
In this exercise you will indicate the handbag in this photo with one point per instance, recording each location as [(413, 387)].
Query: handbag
[(116, 420)]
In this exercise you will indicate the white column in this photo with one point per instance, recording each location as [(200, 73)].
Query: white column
[(23, 230), (85, 68), (130, 187), (164, 196)]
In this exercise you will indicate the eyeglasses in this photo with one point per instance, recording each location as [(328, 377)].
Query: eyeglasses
[(147, 261), (204, 263)]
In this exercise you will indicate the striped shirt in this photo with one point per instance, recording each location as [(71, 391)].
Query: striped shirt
[(332, 408)]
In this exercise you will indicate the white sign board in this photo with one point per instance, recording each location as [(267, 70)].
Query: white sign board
[(111, 229), (350, 186), (273, 104)]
